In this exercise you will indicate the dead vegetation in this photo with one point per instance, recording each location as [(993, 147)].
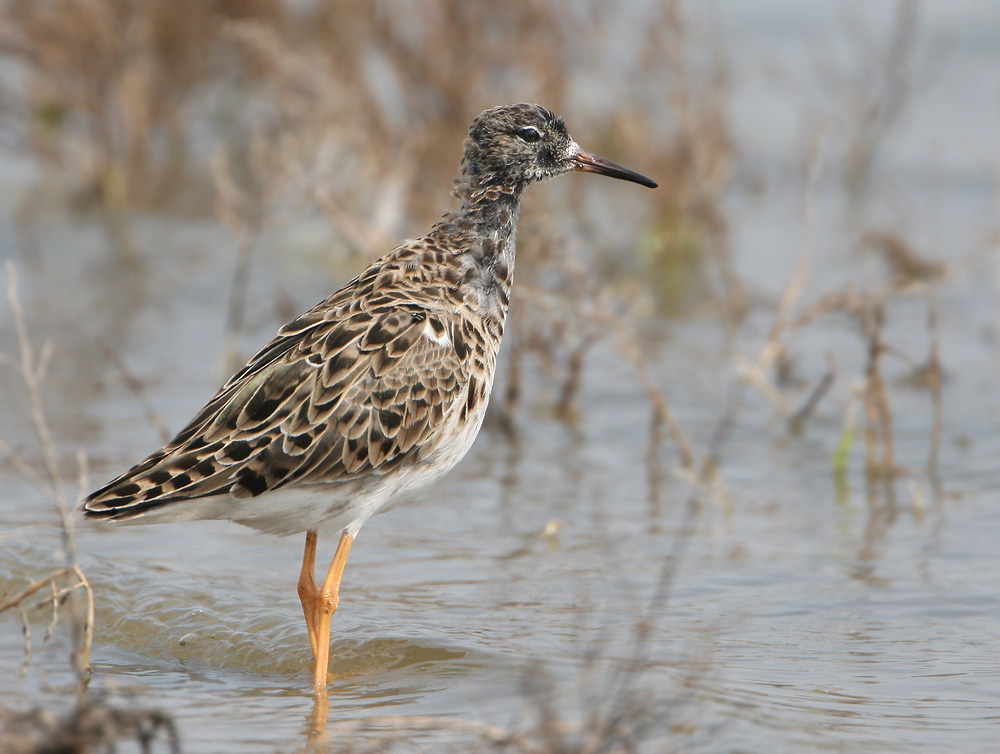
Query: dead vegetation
[(873, 89), (89, 729), (332, 96), (63, 584), (269, 112), (64, 592)]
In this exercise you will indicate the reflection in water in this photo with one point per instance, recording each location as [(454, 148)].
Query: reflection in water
[(316, 723), (881, 515)]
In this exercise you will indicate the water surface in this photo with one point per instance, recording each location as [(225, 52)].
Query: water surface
[(803, 615)]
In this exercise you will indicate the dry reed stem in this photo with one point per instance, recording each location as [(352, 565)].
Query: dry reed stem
[(32, 370), (879, 454), (905, 263), (934, 382), (692, 153), (773, 349), (882, 91), (799, 417), (574, 378), (703, 133), (662, 414), (621, 690), (360, 239), (868, 308), (594, 305), (54, 600), (515, 376), (90, 725), (242, 217), (135, 387)]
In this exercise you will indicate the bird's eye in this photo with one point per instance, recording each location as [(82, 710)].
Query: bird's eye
[(529, 134)]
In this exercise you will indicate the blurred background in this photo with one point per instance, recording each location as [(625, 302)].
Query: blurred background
[(736, 488)]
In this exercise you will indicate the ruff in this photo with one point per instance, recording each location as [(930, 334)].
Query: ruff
[(377, 390)]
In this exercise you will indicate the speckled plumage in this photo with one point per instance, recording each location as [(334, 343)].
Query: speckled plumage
[(378, 389), (381, 378)]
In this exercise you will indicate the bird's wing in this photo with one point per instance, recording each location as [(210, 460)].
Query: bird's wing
[(339, 393)]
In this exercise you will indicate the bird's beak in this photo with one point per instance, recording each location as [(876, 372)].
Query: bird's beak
[(591, 163)]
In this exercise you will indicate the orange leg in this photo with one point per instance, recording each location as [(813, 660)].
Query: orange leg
[(320, 603), (308, 591)]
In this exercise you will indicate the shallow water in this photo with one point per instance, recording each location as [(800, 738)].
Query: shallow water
[(803, 616)]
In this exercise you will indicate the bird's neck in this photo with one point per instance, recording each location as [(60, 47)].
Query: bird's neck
[(482, 232), (490, 199), (486, 218), (490, 210)]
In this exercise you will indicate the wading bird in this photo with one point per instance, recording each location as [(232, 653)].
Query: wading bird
[(377, 390)]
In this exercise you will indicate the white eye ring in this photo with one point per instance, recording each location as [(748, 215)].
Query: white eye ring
[(529, 134)]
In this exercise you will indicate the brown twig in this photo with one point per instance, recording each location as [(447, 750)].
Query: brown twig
[(934, 382), (601, 313), (32, 370), (662, 414), (242, 216), (878, 416), (802, 414), (881, 93), (81, 654), (139, 393)]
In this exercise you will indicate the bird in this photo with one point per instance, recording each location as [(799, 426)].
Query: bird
[(378, 390)]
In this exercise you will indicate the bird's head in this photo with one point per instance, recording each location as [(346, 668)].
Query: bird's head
[(513, 145)]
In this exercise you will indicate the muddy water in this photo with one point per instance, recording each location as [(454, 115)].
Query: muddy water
[(803, 615)]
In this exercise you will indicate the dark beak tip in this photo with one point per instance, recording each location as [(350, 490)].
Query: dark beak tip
[(591, 163)]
